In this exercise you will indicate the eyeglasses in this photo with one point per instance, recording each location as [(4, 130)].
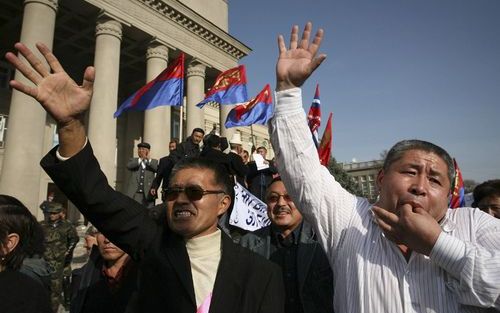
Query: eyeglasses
[(275, 197), (193, 193)]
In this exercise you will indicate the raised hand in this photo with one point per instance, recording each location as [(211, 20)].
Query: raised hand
[(297, 63), (414, 227), (59, 95)]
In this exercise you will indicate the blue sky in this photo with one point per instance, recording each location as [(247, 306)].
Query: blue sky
[(395, 70)]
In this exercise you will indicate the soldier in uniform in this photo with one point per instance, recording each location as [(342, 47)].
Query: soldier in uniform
[(60, 239)]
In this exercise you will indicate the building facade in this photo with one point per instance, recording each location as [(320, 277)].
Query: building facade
[(365, 174), (129, 42)]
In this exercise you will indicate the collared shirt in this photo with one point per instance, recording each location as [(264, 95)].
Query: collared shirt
[(371, 274), (113, 282), (285, 255)]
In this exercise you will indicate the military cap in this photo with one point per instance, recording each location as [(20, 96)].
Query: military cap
[(144, 145), (53, 207)]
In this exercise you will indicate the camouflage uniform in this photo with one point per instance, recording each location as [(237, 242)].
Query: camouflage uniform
[(60, 239)]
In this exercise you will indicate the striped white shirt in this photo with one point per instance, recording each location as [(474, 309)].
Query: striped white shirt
[(462, 273)]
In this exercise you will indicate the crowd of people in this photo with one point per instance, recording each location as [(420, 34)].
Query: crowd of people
[(326, 250)]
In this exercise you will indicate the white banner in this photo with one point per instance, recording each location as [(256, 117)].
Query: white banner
[(249, 212)]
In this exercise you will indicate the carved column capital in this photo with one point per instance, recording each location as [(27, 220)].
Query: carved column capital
[(108, 26), (50, 3), (158, 51), (196, 68)]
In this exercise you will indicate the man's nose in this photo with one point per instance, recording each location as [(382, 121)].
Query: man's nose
[(418, 186)]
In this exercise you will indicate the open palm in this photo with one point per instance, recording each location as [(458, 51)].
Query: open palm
[(60, 96), (298, 62)]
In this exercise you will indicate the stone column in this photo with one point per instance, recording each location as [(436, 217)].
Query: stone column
[(102, 125), (223, 112), (25, 138), (157, 120), (195, 93)]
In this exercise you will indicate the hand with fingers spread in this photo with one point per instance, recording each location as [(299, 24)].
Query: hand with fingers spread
[(297, 63), (58, 94), (413, 227)]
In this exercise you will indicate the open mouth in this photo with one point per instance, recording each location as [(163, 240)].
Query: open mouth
[(183, 213)]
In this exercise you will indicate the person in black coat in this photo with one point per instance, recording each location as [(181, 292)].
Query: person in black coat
[(258, 180), (107, 283), (291, 243)]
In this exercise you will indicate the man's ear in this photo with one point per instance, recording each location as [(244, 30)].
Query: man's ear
[(11, 242), (224, 204)]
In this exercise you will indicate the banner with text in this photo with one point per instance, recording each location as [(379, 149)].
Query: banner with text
[(249, 212)]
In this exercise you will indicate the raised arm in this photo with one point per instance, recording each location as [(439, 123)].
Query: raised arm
[(323, 202), (58, 94)]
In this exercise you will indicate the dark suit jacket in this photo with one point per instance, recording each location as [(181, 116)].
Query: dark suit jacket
[(164, 169), (245, 282), (238, 168), (315, 277), (259, 180), (149, 175)]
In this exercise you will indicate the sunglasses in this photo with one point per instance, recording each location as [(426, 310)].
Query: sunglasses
[(275, 197), (193, 193)]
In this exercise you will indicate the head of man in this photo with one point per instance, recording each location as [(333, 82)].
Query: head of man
[(54, 211), (416, 173), (172, 145), (109, 252), (197, 135), (199, 192), (245, 156), (143, 150), (487, 197), (262, 151), (281, 209)]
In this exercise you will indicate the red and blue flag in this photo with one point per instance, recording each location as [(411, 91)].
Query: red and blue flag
[(314, 116), (458, 189), (230, 87), (166, 89), (256, 111)]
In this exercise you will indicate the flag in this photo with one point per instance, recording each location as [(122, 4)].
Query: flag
[(325, 147), (230, 88), (256, 111), (458, 190), (166, 89), (314, 116)]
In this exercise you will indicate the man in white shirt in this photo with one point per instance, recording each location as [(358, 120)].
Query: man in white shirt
[(406, 253)]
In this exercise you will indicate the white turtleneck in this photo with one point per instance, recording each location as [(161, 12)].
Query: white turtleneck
[(204, 255)]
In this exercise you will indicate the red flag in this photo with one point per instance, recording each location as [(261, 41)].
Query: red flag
[(325, 147), (458, 189)]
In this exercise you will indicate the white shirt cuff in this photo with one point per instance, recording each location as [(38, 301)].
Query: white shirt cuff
[(448, 253), (288, 102), (61, 158)]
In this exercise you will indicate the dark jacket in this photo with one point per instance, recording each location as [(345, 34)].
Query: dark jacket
[(164, 169), (21, 294), (90, 293), (315, 277), (238, 168), (259, 180), (186, 149), (245, 282)]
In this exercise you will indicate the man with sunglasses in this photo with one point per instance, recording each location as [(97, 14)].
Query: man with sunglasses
[(186, 264), (291, 243)]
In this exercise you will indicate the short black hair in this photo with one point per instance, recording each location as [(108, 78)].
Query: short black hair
[(212, 141), (400, 148), (487, 189), (261, 147), (16, 218), (198, 130), (221, 174)]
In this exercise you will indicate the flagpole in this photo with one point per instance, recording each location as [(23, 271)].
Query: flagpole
[(253, 138), (181, 113)]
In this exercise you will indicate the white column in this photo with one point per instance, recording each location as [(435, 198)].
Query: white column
[(102, 125), (223, 112), (195, 93), (25, 138), (157, 120)]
